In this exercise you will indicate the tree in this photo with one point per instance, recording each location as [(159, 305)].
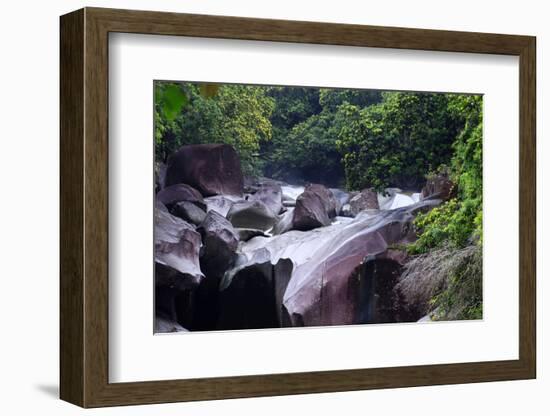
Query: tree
[(396, 142), (238, 115)]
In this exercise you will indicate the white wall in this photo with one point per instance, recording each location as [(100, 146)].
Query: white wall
[(29, 210)]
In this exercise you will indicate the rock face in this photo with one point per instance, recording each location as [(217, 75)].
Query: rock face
[(336, 284), (337, 272), (213, 169), (177, 269), (173, 194), (367, 199), (220, 241), (251, 294), (439, 186), (189, 212), (252, 214), (177, 247), (314, 208)]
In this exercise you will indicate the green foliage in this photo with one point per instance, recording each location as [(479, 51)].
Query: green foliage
[(306, 124), (395, 142), (169, 101), (459, 221), (234, 114)]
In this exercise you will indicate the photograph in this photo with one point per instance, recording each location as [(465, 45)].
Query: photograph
[(290, 206)]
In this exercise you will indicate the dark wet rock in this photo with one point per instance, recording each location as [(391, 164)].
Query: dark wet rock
[(330, 265), (213, 169), (377, 277), (271, 195), (166, 325), (175, 304), (251, 294), (366, 199), (329, 289), (246, 234), (177, 247), (251, 214), (220, 241), (189, 212), (439, 186), (314, 208), (173, 194)]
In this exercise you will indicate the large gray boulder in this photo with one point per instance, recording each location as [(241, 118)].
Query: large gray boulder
[(314, 208), (173, 194), (177, 246), (338, 272), (220, 241), (366, 199), (189, 212), (345, 263), (213, 169), (251, 294), (252, 214)]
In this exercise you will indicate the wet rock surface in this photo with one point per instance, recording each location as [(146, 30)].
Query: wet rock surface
[(252, 214), (213, 169), (177, 246), (366, 199), (189, 212), (314, 208), (173, 194), (263, 254)]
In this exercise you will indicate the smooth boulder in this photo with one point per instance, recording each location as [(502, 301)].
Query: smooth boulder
[(173, 194), (366, 199), (314, 208), (252, 214), (220, 241), (213, 169), (177, 246), (189, 212), (328, 288)]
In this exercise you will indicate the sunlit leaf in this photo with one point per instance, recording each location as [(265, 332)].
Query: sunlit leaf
[(209, 90), (173, 100)]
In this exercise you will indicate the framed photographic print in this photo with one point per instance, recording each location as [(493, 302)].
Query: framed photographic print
[(256, 207)]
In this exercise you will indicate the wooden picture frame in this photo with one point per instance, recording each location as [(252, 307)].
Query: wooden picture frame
[(84, 207)]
